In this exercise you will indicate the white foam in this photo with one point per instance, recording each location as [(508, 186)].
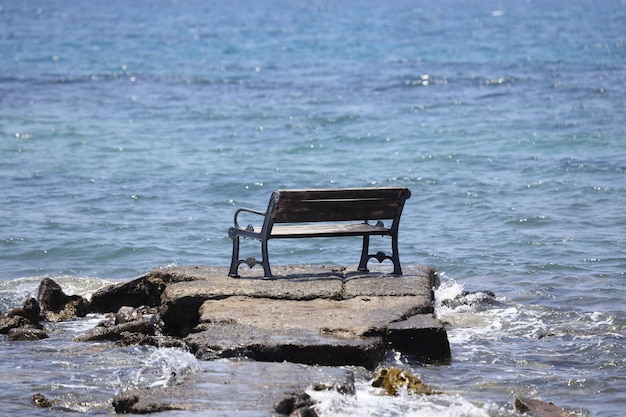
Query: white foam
[(370, 401), (162, 367)]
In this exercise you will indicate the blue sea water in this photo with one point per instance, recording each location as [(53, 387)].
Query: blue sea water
[(131, 132)]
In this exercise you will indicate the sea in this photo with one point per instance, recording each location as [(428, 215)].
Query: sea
[(130, 132)]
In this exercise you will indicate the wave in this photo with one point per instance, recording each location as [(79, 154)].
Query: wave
[(13, 292)]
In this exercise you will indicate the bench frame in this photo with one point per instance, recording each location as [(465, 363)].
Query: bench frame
[(299, 214)]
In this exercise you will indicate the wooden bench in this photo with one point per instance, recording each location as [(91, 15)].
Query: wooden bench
[(324, 213)]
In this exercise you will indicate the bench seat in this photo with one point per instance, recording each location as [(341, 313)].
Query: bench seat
[(325, 230)]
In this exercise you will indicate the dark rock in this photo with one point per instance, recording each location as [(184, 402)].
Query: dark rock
[(76, 306), (50, 295), (408, 336), (304, 412), (119, 332), (393, 380), (145, 290), (40, 400), (132, 403), (21, 334), (181, 315), (8, 323), (58, 306), (30, 311), (540, 408), (293, 402)]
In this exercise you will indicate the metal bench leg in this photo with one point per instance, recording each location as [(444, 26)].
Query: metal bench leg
[(267, 273), (234, 261), (395, 256), (364, 254)]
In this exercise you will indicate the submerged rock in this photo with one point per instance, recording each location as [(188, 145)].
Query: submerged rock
[(393, 380), (540, 408), (21, 334), (41, 400)]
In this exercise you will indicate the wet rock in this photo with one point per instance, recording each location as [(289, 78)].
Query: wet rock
[(21, 319), (21, 334), (76, 306), (479, 300), (298, 404), (393, 380), (50, 295), (145, 290), (540, 408), (129, 333), (408, 336), (7, 323), (30, 311), (127, 313), (58, 306), (131, 403), (40, 400)]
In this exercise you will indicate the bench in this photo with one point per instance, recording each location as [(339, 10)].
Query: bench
[(324, 213)]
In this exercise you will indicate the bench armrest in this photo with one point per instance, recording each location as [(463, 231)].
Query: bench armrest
[(246, 210)]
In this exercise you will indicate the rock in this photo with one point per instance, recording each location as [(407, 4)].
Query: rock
[(394, 379), (9, 323), (408, 336), (304, 412), (40, 400), (56, 305), (296, 405), (478, 300), (76, 306), (21, 334), (30, 311), (540, 408), (127, 313), (133, 332), (306, 314), (145, 290), (131, 403), (50, 295)]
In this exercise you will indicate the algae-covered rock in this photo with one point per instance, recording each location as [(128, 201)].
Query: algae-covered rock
[(393, 380)]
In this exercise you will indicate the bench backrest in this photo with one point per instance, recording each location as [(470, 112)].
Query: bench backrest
[(337, 204)]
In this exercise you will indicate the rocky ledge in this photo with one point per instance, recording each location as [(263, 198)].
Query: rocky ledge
[(290, 333), (311, 315)]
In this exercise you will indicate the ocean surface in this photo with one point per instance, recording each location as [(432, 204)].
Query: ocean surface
[(130, 132)]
